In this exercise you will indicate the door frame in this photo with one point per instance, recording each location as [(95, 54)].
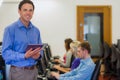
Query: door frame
[(107, 23)]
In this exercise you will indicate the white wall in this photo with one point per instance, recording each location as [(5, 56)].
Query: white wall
[(56, 19)]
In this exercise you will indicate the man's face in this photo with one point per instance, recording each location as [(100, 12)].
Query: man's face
[(80, 52), (26, 12)]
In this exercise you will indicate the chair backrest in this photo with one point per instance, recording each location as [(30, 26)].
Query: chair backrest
[(96, 71), (72, 59), (118, 62), (107, 50), (113, 51), (101, 50), (118, 44), (118, 58)]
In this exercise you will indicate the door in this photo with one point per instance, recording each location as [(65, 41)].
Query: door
[(94, 26)]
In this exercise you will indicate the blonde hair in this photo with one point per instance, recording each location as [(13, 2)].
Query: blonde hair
[(73, 46)]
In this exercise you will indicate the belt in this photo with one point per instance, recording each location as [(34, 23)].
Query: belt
[(27, 67)]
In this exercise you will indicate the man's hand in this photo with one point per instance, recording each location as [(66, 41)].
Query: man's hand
[(36, 56), (55, 74), (31, 53)]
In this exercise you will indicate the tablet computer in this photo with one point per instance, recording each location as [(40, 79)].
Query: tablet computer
[(33, 46)]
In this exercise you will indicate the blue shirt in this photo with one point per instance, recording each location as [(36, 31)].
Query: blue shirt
[(75, 63), (82, 72), (15, 40)]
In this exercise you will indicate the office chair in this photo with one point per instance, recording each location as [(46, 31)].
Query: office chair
[(96, 72), (72, 59), (107, 51), (113, 59), (101, 50), (118, 44), (107, 58), (118, 62)]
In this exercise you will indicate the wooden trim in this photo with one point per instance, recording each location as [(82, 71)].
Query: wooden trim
[(107, 26)]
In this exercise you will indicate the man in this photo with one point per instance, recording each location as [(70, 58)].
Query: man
[(16, 38), (84, 70)]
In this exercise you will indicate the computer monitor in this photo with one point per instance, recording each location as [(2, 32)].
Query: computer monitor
[(46, 60), (47, 51), (42, 67)]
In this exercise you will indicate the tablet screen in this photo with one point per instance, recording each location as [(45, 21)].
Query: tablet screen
[(33, 46)]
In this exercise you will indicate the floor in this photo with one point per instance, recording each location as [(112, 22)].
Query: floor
[(101, 77)]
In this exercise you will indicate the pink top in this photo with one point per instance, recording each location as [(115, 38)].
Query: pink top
[(64, 58)]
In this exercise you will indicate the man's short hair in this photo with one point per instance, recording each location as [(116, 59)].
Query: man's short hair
[(24, 2), (85, 45)]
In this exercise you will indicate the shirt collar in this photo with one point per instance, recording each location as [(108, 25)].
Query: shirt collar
[(85, 60), (21, 25)]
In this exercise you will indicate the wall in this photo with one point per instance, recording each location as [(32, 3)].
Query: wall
[(56, 19)]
